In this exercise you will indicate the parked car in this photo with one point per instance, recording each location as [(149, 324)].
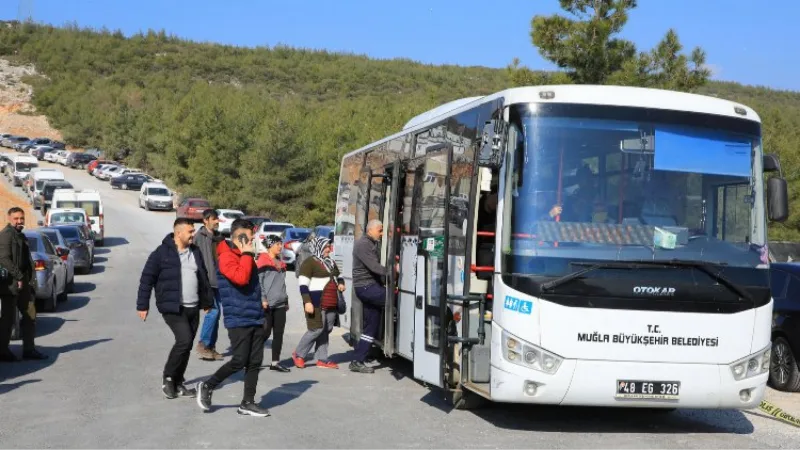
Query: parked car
[(256, 221), (130, 181), (79, 240), (90, 168), (107, 172), (226, 218), (192, 208), (269, 228), (48, 188), (79, 160), (69, 257), (51, 271), (304, 249), (292, 238), (784, 372), (155, 196)]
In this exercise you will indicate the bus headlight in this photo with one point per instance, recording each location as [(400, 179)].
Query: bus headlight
[(525, 354), (753, 365)]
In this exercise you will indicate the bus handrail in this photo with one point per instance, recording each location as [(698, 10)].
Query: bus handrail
[(465, 300)]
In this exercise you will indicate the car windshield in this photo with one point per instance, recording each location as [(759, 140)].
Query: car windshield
[(605, 184), (158, 192), (67, 217), (298, 235), (25, 167), (199, 204), (52, 235), (273, 228), (70, 233), (232, 215), (49, 189), (91, 207)]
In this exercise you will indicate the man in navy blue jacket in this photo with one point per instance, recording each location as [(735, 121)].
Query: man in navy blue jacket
[(243, 316), (176, 270)]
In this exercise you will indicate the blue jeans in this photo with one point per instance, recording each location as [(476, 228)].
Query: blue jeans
[(210, 329)]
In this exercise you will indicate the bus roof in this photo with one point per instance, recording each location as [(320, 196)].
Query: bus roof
[(582, 94)]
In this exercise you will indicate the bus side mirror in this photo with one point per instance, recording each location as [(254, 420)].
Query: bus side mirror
[(777, 199), (771, 163), (492, 146)]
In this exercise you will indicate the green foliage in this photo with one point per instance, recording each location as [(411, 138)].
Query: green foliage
[(265, 129), (587, 48)]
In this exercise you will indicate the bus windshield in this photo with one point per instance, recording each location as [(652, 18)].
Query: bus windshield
[(603, 184)]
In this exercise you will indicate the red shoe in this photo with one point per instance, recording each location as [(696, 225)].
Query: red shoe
[(327, 365), (299, 362)]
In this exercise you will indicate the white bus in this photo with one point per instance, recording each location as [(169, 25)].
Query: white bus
[(625, 263)]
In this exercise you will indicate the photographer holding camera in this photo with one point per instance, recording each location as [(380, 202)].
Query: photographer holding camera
[(243, 316)]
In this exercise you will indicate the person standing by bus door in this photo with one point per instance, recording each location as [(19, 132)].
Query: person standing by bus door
[(206, 240), (369, 280)]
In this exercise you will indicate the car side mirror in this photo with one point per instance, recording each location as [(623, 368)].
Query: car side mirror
[(61, 251)]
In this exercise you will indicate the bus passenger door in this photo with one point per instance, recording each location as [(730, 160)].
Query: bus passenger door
[(430, 207)]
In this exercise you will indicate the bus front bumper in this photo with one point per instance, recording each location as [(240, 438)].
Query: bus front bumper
[(582, 382)]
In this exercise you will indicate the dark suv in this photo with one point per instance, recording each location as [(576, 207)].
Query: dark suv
[(784, 373), (79, 160)]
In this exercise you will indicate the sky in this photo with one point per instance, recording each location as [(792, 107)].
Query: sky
[(749, 44)]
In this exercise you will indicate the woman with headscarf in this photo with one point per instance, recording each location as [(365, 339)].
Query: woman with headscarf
[(320, 285)]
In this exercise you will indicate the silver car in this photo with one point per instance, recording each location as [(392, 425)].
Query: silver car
[(292, 238), (51, 271), (58, 239)]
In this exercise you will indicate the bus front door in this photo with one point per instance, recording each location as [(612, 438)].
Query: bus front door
[(430, 207)]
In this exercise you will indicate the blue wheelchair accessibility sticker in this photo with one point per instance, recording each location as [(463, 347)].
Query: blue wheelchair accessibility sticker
[(517, 305)]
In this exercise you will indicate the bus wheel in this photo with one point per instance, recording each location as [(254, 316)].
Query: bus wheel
[(465, 400)]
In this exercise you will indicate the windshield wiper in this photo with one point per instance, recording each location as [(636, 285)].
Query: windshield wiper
[(701, 266), (708, 270), (552, 284)]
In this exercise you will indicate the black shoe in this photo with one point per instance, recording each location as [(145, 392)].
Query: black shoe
[(251, 409), (204, 396), (278, 368), (168, 388), (8, 356), (358, 366), (34, 355), (183, 391)]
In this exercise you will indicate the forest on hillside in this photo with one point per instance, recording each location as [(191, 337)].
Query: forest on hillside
[(264, 129)]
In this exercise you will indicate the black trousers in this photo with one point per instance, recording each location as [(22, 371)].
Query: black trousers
[(248, 353), (275, 320), (22, 302), (184, 326)]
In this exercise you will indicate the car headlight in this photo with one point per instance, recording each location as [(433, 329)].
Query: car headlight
[(525, 354), (752, 365)]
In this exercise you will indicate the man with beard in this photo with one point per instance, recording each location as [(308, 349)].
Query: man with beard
[(177, 272), (17, 283)]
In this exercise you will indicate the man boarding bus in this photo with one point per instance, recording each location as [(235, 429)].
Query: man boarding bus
[(626, 264)]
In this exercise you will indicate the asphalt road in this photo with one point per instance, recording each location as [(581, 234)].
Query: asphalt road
[(101, 385)]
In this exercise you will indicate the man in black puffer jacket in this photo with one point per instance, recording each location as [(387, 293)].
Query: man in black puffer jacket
[(177, 272)]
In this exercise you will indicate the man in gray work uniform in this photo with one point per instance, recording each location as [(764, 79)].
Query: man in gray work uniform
[(369, 279)]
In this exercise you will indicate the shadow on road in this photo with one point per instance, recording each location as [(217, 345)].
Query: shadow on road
[(101, 251), (114, 241), (83, 287), (48, 324), (74, 302), (100, 259), (22, 368), (8, 387), (98, 269), (285, 393)]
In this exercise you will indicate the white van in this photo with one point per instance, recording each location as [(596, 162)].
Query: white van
[(89, 200), (38, 183), (155, 196), (20, 165)]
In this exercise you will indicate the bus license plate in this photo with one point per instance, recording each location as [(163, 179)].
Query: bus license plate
[(648, 390)]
